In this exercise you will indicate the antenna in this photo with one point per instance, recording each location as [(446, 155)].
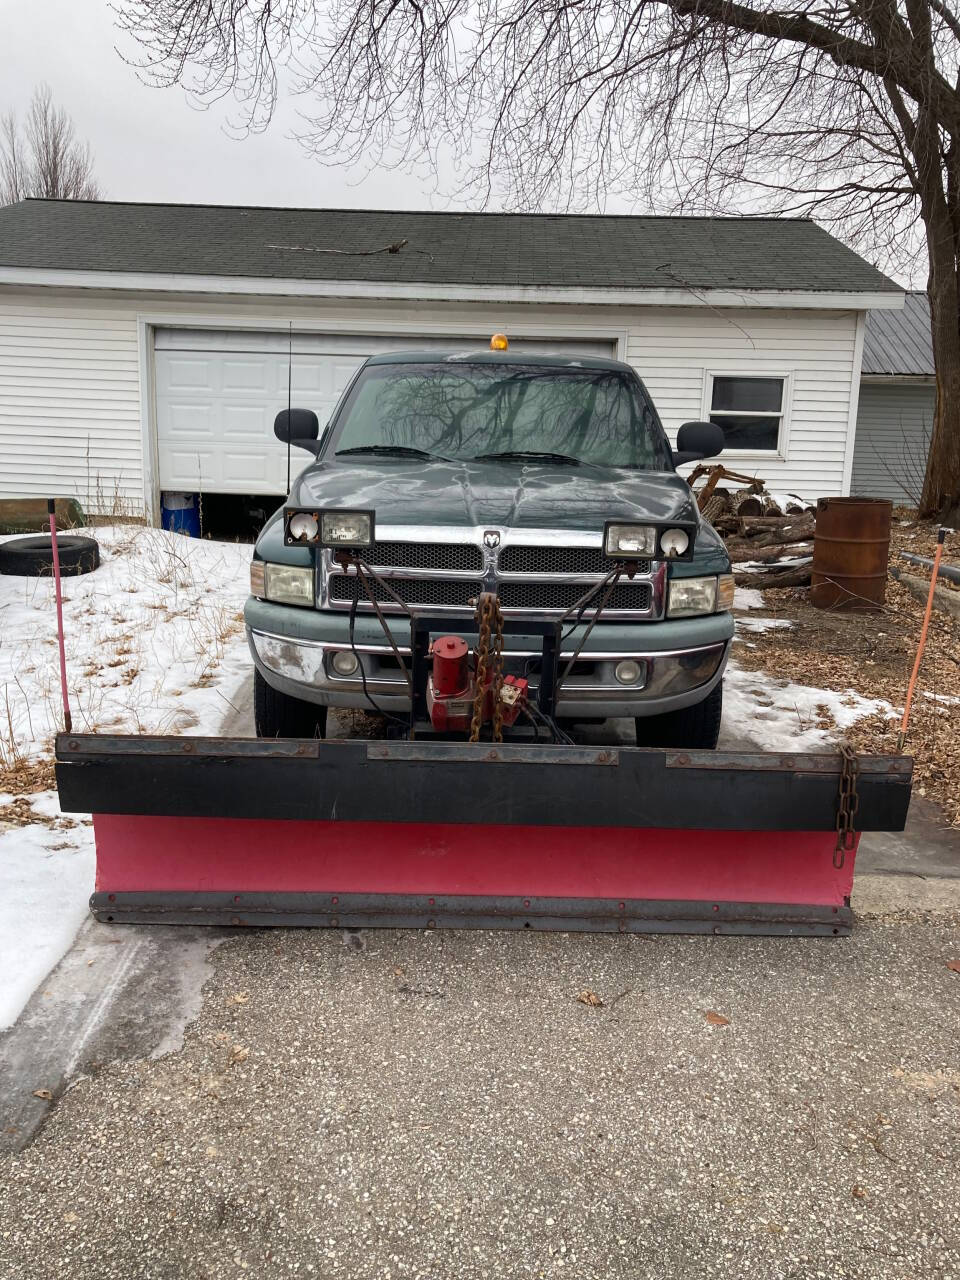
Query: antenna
[(289, 396)]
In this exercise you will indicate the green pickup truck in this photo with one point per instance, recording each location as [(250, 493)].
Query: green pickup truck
[(494, 470)]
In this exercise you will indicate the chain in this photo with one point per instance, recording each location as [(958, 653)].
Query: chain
[(497, 671), (489, 619), (848, 802), (484, 619)]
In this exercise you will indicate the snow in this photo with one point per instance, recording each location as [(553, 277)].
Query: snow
[(777, 715), (747, 598), (154, 644), (763, 624)]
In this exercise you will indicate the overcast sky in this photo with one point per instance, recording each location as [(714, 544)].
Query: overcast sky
[(150, 144)]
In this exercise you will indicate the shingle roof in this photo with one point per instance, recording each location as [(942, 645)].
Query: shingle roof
[(594, 251), (898, 342)]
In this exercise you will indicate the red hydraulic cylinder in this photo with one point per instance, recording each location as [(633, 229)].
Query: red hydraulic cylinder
[(450, 675)]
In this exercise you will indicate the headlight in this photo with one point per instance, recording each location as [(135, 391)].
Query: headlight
[(288, 584), (627, 541), (674, 542), (346, 528), (725, 591), (689, 596)]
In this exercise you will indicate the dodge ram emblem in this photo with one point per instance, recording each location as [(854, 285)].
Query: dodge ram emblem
[(491, 538)]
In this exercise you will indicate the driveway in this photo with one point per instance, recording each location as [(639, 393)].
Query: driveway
[(404, 1104)]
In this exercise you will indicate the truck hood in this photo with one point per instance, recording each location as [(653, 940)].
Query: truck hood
[(530, 495)]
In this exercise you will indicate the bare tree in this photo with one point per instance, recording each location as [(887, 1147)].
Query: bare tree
[(43, 156), (845, 110)]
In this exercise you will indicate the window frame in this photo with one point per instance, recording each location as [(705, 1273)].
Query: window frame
[(783, 436)]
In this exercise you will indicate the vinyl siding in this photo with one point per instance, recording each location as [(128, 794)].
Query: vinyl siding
[(70, 394), (894, 422)]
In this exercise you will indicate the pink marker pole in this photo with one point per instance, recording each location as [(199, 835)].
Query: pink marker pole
[(67, 719)]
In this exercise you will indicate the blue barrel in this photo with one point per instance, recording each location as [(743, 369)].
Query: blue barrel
[(180, 513)]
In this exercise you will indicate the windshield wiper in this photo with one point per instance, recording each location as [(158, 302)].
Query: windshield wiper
[(532, 455), (392, 451)]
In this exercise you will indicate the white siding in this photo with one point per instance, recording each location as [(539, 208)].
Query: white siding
[(71, 396), (894, 421), (674, 349)]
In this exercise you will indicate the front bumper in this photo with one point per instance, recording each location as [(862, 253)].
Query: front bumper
[(682, 661)]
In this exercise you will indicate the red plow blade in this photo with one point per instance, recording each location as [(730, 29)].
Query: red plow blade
[(434, 834)]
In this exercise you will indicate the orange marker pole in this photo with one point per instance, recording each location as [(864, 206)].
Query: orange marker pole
[(938, 556)]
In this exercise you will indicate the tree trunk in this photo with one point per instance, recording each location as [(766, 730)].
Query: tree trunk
[(941, 486)]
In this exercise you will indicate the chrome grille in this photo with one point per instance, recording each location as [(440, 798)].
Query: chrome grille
[(561, 595), (546, 560), (446, 593), (447, 557)]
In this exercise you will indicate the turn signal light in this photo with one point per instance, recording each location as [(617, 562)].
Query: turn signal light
[(499, 342)]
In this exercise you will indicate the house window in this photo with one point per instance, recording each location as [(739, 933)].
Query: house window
[(750, 410)]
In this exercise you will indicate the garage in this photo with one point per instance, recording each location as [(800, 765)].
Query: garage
[(218, 392)]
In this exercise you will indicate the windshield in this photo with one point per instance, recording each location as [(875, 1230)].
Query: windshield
[(464, 411)]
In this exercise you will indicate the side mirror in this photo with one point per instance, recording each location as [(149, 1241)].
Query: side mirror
[(696, 440), (298, 426)]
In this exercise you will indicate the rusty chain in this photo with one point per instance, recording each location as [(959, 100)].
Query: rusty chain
[(848, 802), (489, 619)]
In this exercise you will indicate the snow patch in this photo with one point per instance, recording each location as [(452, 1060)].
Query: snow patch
[(155, 644), (763, 624), (777, 715), (747, 598)]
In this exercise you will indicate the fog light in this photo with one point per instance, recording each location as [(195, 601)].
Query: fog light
[(674, 542), (345, 663), (628, 672)]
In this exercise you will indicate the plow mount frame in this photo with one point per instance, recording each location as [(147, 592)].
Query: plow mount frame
[(434, 834)]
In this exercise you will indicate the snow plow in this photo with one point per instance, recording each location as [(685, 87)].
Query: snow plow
[(418, 830)]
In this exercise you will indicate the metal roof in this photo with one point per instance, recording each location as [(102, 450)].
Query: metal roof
[(898, 342), (472, 249)]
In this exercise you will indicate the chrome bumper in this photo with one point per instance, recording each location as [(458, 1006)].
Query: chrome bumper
[(671, 679)]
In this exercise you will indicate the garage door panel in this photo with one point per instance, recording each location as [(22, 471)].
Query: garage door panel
[(247, 422), (184, 373), (184, 420), (218, 392)]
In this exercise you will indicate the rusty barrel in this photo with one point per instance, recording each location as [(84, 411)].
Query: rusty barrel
[(850, 552)]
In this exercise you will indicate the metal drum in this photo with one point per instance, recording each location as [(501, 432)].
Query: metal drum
[(850, 553)]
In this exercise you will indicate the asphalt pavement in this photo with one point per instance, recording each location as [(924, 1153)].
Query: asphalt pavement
[(436, 1105)]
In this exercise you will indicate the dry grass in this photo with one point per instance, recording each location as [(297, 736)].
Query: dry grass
[(873, 654)]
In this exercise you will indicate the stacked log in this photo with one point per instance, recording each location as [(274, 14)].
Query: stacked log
[(765, 543)]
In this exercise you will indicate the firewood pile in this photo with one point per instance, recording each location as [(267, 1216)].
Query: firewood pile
[(769, 537)]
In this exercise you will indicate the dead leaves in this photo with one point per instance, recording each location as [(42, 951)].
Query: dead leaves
[(238, 997), (716, 1019), (954, 965), (239, 1054), (45, 1094), (590, 998)]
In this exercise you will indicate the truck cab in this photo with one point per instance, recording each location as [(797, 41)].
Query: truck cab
[(531, 476)]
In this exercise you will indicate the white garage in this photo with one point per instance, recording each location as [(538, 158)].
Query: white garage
[(218, 392), (144, 348)]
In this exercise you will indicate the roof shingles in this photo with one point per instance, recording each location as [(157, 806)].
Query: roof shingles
[(546, 250)]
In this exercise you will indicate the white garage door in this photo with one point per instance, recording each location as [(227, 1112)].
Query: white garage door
[(218, 393)]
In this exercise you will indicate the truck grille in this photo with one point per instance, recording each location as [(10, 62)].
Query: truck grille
[(547, 560), (447, 557), (452, 593), (449, 576), (552, 596)]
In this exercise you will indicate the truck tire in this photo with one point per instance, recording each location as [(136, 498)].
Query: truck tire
[(33, 557), (694, 728), (276, 715)]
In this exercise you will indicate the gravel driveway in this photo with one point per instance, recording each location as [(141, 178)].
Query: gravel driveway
[(456, 1105)]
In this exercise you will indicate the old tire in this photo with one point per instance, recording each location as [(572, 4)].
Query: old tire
[(33, 557), (693, 728), (276, 715)]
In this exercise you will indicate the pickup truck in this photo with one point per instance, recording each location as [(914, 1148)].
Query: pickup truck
[(527, 474)]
